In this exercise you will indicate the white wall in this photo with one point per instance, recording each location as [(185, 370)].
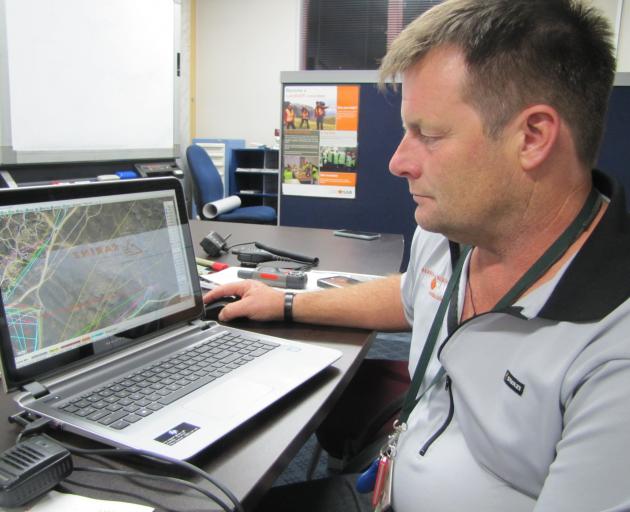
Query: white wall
[(242, 46), (618, 13)]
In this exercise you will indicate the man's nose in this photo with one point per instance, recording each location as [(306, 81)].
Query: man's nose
[(404, 163)]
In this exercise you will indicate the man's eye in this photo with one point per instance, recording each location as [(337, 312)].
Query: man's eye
[(428, 138)]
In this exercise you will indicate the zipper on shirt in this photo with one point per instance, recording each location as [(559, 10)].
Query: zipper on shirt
[(513, 311), (446, 423)]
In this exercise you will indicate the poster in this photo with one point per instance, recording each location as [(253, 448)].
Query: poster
[(319, 143)]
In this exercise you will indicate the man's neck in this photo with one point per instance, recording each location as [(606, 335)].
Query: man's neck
[(497, 265)]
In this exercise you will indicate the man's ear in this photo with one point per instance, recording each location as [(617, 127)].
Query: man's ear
[(539, 128)]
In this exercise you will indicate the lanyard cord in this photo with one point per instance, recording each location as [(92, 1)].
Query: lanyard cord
[(537, 270)]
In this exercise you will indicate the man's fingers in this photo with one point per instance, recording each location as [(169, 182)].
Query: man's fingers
[(230, 312), (236, 288)]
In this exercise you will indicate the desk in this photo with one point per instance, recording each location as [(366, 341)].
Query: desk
[(250, 459)]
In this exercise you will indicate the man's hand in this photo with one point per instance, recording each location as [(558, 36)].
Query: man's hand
[(258, 301)]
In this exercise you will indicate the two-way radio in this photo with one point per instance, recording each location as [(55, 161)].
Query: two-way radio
[(261, 253)]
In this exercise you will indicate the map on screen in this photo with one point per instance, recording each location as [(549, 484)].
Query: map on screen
[(74, 272)]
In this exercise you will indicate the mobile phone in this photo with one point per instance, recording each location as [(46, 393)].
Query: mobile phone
[(352, 233), (336, 281)]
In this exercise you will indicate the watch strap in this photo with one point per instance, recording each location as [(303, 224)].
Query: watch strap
[(288, 306)]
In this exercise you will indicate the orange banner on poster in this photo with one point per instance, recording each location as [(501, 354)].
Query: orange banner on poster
[(348, 107), (340, 179)]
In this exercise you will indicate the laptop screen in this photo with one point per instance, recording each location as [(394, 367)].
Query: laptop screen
[(82, 271)]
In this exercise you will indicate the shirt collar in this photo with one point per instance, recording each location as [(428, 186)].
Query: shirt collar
[(598, 279)]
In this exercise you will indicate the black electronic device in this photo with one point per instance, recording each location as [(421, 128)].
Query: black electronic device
[(212, 309), (213, 243), (153, 169), (31, 468), (313, 260), (338, 281), (361, 235), (253, 256)]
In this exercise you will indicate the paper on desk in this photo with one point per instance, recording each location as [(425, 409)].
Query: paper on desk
[(229, 275), (55, 501)]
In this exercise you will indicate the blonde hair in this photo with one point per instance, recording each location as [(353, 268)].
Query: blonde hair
[(517, 53)]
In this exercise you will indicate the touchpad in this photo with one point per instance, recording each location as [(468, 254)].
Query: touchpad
[(231, 398)]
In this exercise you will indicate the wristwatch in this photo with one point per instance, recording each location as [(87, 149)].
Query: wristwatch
[(288, 306)]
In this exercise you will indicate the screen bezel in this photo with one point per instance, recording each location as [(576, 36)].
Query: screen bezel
[(16, 377)]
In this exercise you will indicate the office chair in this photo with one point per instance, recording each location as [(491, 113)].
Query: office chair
[(209, 187), (358, 426)]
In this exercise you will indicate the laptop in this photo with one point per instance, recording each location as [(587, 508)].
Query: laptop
[(102, 323)]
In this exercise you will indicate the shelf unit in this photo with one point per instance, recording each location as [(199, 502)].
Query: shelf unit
[(255, 177)]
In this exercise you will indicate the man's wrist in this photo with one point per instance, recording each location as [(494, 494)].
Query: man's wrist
[(288, 306)]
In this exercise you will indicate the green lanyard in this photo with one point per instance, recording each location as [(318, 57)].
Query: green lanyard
[(537, 270)]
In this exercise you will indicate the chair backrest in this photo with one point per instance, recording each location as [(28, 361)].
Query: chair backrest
[(206, 177)]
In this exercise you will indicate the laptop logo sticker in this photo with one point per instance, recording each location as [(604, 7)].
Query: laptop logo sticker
[(176, 434)]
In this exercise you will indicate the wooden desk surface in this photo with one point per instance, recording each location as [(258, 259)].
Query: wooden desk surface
[(251, 458)]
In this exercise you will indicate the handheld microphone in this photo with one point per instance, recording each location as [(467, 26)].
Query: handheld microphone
[(286, 254)]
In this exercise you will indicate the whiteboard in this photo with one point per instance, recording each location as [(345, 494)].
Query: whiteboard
[(90, 74)]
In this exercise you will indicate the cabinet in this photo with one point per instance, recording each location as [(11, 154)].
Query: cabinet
[(255, 177), (220, 151)]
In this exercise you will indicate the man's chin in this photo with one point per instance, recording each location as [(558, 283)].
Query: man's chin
[(425, 222)]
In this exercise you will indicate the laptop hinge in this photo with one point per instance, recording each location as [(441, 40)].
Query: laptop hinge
[(202, 324), (35, 389)]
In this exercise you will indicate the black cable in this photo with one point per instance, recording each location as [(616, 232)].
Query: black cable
[(149, 476), (287, 254), (161, 458), (238, 245)]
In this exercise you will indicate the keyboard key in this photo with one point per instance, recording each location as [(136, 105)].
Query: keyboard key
[(119, 425), (97, 415), (85, 411), (132, 418), (110, 418)]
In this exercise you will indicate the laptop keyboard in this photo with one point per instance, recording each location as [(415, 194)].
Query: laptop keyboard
[(127, 400)]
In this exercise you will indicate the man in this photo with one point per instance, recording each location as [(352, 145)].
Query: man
[(305, 116), (289, 117), (320, 113), (525, 402)]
